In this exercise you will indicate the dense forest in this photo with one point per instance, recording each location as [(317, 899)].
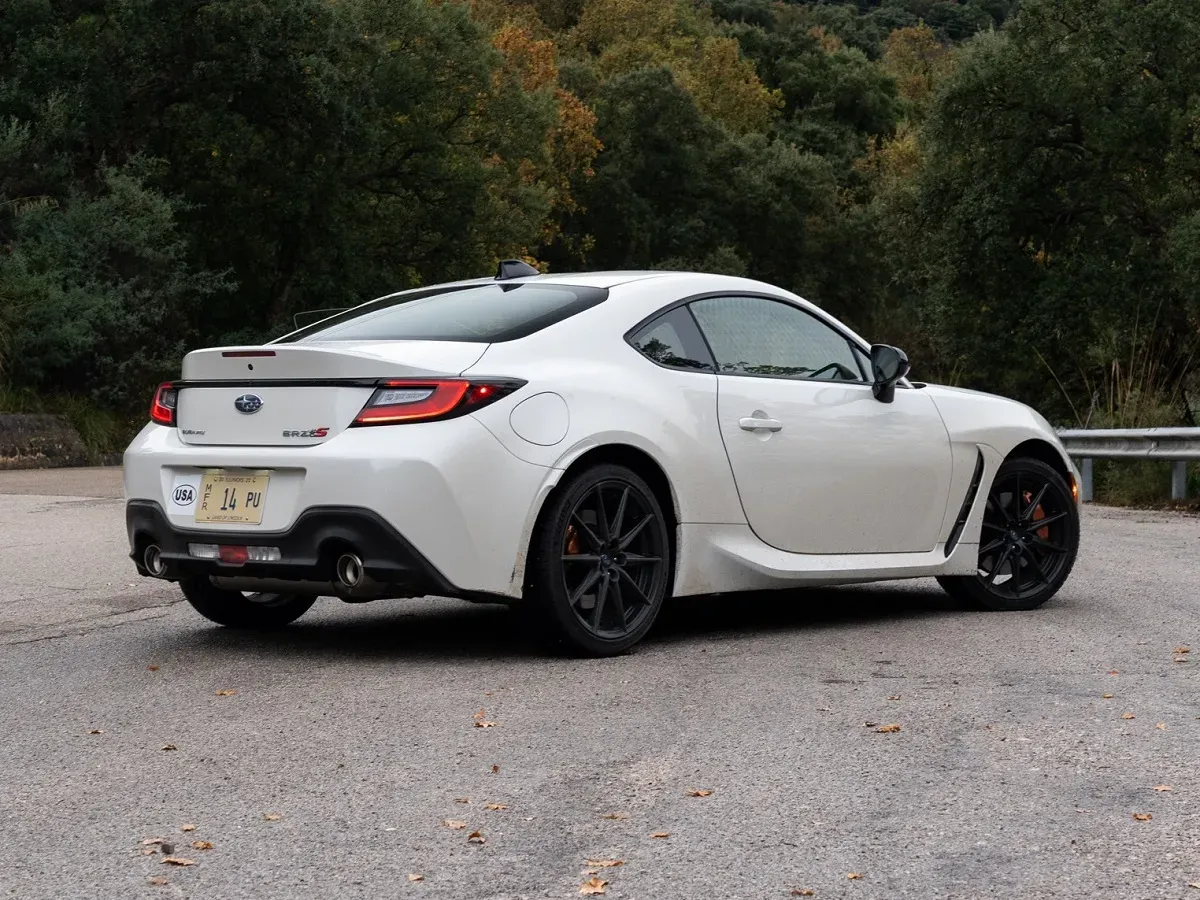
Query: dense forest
[(1010, 191)]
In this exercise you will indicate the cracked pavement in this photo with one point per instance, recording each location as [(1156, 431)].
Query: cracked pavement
[(1012, 774)]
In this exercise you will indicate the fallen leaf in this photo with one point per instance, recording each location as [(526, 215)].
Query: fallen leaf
[(488, 693), (476, 837), (485, 724), (495, 806), (149, 841), (456, 824), (702, 792), (615, 816), (802, 892), (202, 845), (854, 876), (894, 697), (149, 851), (188, 827), (1114, 672), (888, 729), (1194, 884), (1143, 817), (495, 770), (1106, 696), (661, 834), (95, 731), (1161, 726), (593, 885), (1128, 716), (413, 876), (272, 817), (152, 668), (462, 799), (226, 693), (1183, 650), (1162, 787), (1181, 659), (178, 861), (158, 880), (869, 724), (604, 863), (482, 714), (170, 747)]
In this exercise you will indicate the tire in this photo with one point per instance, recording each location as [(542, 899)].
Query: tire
[(604, 601), (1021, 564), (254, 612)]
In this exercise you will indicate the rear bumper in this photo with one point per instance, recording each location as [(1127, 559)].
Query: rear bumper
[(308, 550)]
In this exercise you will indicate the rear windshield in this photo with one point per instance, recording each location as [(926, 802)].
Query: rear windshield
[(485, 313)]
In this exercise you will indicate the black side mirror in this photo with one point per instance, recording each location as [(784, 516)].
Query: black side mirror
[(888, 365)]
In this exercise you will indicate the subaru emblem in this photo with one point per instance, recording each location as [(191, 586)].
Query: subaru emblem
[(248, 403)]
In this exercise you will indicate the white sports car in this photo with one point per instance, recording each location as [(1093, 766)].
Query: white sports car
[(584, 447)]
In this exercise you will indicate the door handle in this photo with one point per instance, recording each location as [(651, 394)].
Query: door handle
[(760, 423)]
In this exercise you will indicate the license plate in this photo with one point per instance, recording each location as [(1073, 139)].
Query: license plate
[(230, 499)]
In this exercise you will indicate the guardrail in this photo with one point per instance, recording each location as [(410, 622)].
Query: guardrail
[(1178, 446)]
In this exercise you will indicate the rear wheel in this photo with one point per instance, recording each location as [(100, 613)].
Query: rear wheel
[(258, 612), (601, 564), (1029, 540)]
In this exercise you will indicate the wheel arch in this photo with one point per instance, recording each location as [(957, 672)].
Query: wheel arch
[(627, 455), (1043, 451)]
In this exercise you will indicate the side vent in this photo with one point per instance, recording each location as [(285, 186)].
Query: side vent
[(968, 502)]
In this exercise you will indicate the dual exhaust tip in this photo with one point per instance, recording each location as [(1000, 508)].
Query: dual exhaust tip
[(350, 575)]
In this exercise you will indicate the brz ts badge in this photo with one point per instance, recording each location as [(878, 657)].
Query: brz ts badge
[(311, 433), (248, 403)]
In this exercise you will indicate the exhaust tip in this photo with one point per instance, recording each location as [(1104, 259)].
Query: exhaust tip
[(153, 561), (349, 570)]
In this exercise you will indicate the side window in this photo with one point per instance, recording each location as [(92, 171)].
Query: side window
[(674, 341), (757, 336)]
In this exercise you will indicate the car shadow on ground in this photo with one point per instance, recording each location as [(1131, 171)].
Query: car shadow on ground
[(439, 630)]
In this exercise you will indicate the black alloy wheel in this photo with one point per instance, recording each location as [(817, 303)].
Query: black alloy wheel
[(1028, 541), (602, 562)]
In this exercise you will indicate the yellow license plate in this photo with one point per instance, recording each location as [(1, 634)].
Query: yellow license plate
[(230, 499)]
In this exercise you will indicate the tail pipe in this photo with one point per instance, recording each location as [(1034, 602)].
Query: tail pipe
[(153, 561)]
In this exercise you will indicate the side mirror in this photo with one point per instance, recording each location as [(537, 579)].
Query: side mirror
[(888, 365)]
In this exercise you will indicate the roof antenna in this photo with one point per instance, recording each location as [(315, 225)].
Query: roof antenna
[(514, 268)]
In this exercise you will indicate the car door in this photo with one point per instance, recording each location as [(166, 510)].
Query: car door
[(821, 466)]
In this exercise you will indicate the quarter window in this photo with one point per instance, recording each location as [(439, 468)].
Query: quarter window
[(674, 341), (771, 338)]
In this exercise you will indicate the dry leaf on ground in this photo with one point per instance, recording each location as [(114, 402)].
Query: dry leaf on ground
[(169, 747), (1128, 716), (1161, 726), (476, 837), (158, 880), (413, 876), (699, 792), (495, 806), (869, 724), (802, 892), (1106, 696), (854, 876), (1181, 659), (149, 851), (1162, 787), (888, 729), (272, 817), (152, 668), (482, 714), (1194, 884), (615, 816), (202, 845), (226, 693), (1114, 672), (1143, 817), (1183, 649), (149, 841), (456, 824), (95, 731), (188, 827), (485, 724), (178, 861), (462, 799), (495, 770), (894, 697), (593, 885), (661, 834), (604, 863)]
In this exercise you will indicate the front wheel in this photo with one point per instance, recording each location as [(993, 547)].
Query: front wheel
[(601, 564), (1029, 540), (256, 612)]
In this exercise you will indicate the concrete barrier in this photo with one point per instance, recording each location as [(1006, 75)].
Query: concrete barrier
[(39, 442)]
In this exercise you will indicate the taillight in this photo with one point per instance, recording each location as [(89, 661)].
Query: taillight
[(396, 402), (162, 408)]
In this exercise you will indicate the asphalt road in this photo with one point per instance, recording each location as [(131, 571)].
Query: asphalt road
[(351, 738)]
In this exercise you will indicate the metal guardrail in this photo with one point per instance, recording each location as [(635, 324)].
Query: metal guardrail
[(1175, 445)]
